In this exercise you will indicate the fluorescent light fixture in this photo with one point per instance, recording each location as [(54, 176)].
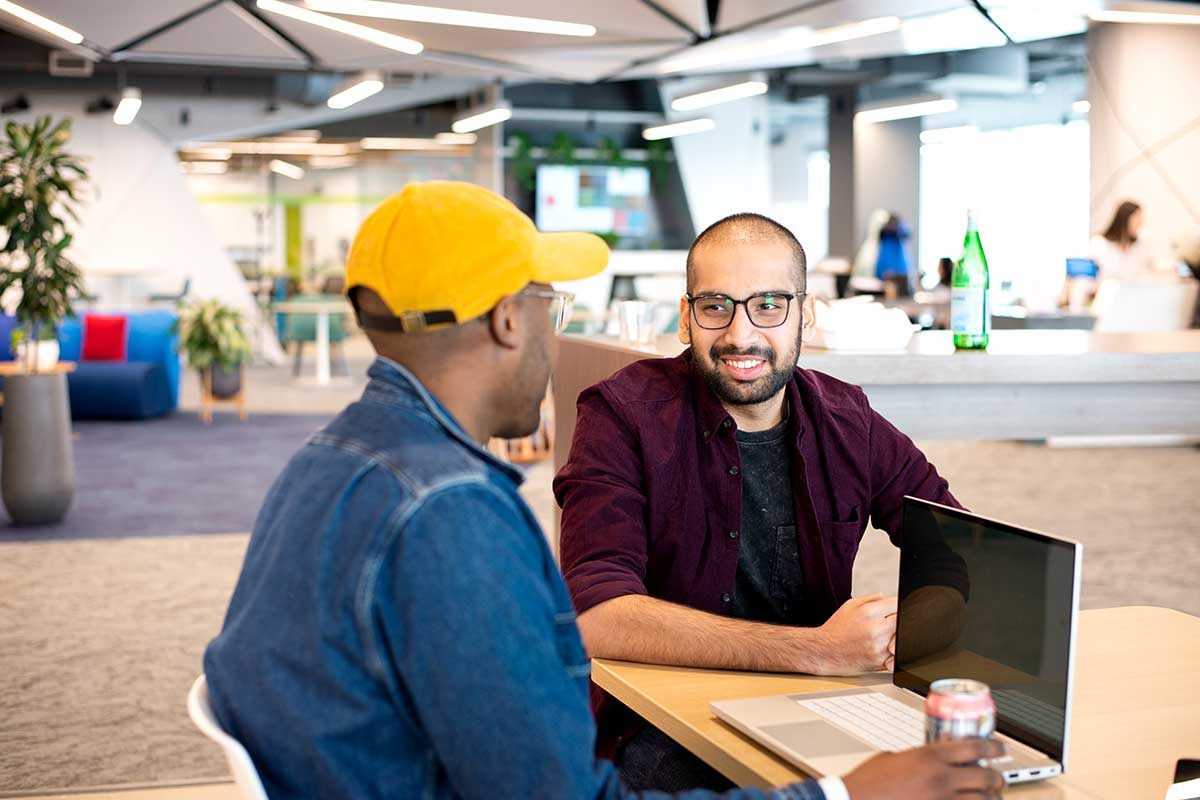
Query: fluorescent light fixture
[(38, 21), (678, 129), (922, 108), (208, 153), (127, 109), (455, 138), (450, 16), (712, 97), (388, 40), (204, 167), (1144, 17), (275, 148), (403, 143), (785, 41), (332, 162), (301, 135), (285, 169), (476, 119), (1081, 106), (360, 87), (939, 135)]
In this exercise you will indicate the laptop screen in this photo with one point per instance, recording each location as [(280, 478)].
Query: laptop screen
[(984, 600)]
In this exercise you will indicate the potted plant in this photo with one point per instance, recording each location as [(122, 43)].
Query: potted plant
[(40, 184), (211, 335)]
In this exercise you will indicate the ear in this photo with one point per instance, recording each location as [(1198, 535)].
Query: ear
[(808, 311), (685, 321), (505, 323)]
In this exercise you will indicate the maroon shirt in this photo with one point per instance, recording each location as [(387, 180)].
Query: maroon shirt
[(651, 493)]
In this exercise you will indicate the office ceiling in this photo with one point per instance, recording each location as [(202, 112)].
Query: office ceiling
[(634, 38)]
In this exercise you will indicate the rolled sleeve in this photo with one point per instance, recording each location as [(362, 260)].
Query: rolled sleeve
[(603, 544), (899, 468)]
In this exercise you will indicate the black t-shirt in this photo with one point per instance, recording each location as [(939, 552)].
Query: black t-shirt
[(769, 585)]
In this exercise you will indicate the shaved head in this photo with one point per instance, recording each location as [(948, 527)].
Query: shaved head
[(751, 229)]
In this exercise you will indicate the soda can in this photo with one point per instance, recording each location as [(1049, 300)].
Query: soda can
[(957, 708)]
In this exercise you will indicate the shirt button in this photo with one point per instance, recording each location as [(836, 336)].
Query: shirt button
[(726, 424), (707, 434), (733, 470), (725, 598), (733, 534)]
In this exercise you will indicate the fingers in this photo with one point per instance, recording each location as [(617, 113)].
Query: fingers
[(892, 645), (977, 779), (879, 606)]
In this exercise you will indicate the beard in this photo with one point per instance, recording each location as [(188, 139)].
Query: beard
[(748, 393), (524, 416)]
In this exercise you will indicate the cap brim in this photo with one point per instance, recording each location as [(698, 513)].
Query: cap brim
[(568, 257)]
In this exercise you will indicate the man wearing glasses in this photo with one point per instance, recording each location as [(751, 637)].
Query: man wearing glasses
[(400, 628), (713, 503)]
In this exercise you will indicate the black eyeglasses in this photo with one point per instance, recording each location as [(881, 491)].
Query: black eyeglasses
[(765, 309)]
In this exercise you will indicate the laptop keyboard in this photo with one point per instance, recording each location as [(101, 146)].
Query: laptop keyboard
[(1031, 712), (881, 721)]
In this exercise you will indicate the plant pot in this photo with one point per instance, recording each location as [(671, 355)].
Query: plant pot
[(45, 354), (225, 383), (37, 477)]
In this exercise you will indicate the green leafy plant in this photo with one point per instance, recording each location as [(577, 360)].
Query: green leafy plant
[(561, 150), (523, 166), (40, 183), (210, 332)]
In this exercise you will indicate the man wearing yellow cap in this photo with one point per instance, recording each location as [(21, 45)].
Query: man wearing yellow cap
[(400, 628)]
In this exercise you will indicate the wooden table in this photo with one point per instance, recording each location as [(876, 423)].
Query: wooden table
[(1136, 707), (323, 310)]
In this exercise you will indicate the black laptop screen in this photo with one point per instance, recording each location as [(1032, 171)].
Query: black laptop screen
[(984, 600)]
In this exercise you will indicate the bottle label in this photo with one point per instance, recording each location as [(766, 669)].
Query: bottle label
[(968, 313)]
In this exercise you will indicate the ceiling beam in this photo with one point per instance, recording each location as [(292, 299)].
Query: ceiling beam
[(674, 20), (987, 15), (166, 26), (309, 57)]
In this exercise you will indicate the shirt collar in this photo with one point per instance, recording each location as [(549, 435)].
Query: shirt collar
[(712, 417), (399, 386)]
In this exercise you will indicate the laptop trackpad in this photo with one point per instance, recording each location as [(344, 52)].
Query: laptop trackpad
[(815, 739)]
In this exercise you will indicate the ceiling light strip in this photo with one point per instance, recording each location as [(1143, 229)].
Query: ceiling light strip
[(678, 129), (923, 108), (38, 21), (725, 94), (388, 40), (450, 16)]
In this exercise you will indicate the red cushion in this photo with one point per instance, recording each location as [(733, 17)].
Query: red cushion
[(105, 337)]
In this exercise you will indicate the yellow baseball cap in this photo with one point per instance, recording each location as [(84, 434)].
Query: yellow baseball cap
[(444, 252)]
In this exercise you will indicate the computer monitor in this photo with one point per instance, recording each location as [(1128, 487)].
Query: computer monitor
[(989, 601), (594, 198)]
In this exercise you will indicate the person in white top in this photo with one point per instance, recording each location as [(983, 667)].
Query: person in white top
[(1117, 251)]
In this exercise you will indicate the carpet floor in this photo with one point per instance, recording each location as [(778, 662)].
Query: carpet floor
[(172, 475), (100, 638)]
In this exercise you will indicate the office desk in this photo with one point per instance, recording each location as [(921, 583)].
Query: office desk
[(1136, 707)]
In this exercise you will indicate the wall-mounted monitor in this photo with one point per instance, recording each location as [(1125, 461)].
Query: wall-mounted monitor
[(594, 198)]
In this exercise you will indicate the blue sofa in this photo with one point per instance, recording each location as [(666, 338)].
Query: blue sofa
[(145, 385)]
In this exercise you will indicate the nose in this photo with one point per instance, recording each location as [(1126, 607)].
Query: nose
[(741, 332)]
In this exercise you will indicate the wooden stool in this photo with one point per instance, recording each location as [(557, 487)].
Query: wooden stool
[(207, 400)]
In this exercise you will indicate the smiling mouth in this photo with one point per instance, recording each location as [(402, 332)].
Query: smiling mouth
[(745, 367)]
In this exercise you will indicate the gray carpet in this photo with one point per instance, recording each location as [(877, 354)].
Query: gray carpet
[(172, 475), (100, 638)]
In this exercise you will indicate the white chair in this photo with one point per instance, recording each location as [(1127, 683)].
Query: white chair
[(1138, 306), (244, 773)]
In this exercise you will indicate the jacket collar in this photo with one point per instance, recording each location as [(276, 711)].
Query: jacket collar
[(393, 384)]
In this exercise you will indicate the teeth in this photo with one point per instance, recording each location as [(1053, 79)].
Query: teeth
[(744, 364)]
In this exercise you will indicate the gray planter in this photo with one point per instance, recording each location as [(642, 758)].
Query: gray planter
[(38, 476), (225, 383)]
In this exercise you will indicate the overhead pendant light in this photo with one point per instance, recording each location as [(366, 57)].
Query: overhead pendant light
[(358, 88), (906, 110), (712, 97), (678, 129), (332, 162), (38, 21), (1081, 106), (450, 16), (786, 41), (406, 143), (372, 35), (275, 148), (1144, 17), (479, 118), (127, 109), (950, 134), (204, 167), (286, 169)]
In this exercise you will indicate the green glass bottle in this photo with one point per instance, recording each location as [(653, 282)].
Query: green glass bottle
[(970, 315)]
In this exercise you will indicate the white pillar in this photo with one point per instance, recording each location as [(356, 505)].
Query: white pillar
[(1145, 141)]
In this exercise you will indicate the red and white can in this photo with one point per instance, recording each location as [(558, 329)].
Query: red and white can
[(958, 708)]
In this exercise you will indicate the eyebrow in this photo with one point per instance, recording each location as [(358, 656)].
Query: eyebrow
[(752, 294)]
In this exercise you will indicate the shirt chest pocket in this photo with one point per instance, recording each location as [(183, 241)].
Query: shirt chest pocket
[(569, 645)]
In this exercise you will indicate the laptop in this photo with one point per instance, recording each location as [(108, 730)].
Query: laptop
[(1082, 268), (979, 599)]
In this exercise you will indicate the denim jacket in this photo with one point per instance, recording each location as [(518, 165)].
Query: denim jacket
[(400, 628)]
